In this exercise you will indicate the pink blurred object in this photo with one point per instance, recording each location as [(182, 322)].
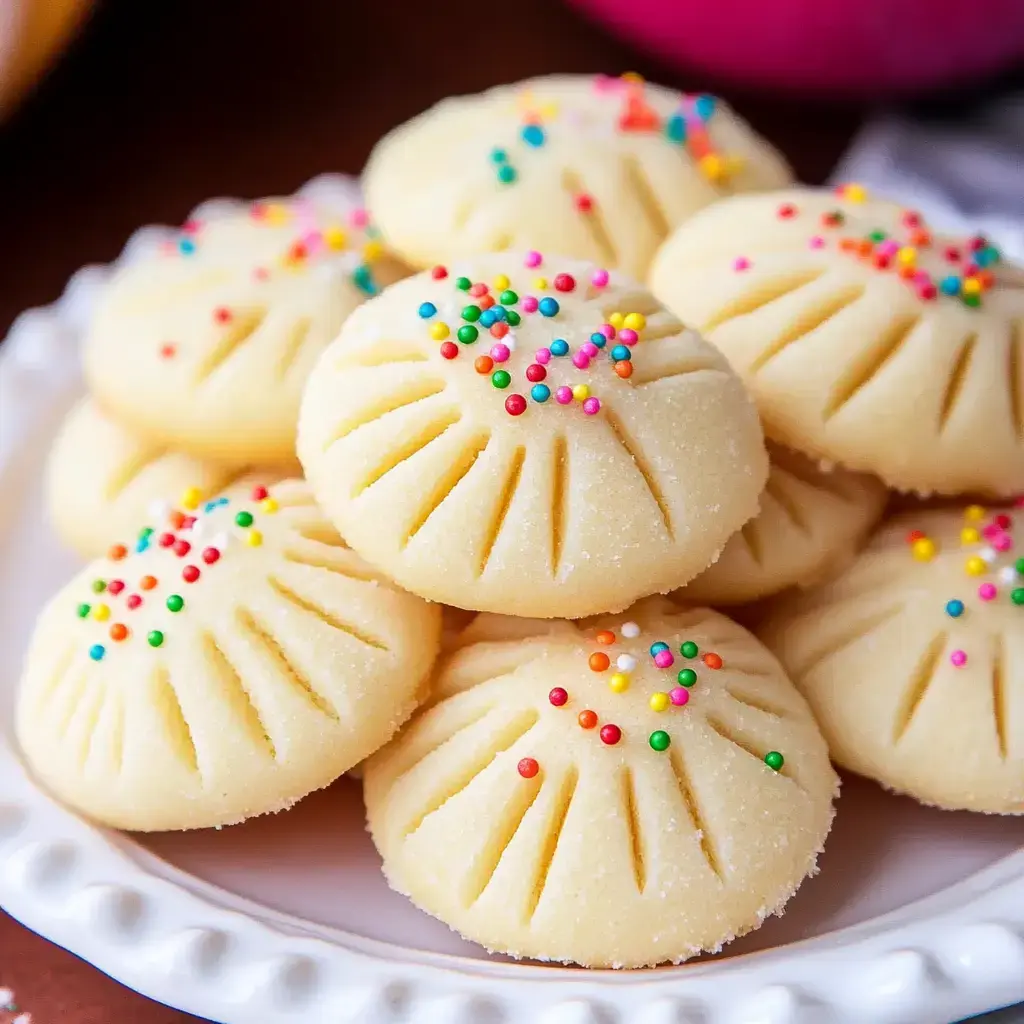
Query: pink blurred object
[(874, 48)]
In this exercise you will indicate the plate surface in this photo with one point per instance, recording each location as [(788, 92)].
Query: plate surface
[(917, 915)]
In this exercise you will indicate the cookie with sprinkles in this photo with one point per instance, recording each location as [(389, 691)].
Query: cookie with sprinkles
[(618, 792), (531, 436), (102, 479), (598, 168), (913, 659), (204, 344), (813, 520), (866, 338), (225, 662)]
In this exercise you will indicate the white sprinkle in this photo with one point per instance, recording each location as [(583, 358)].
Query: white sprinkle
[(630, 630), (200, 528), (988, 554), (6, 997), (1008, 574), (625, 662), (221, 541), (160, 510)]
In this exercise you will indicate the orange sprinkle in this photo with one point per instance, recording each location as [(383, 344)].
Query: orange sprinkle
[(117, 552), (599, 661), (847, 244), (865, 247), (907, 272), (587, 719), (483, 364), (118, 631), (920, 237), (712, 660), (177, 517), (147, 582), (485, 301), (624, 368), (986, 278), (606, 636)]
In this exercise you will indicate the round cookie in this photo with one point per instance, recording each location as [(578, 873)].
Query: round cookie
[(205, 343), (544, 808), (812, 522), (573, 450), (865, 339), (102, 479), (221, 668), (594, 167), (913, 659)]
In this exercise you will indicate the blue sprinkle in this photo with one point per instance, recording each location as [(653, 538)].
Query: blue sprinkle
[(97, 651), (186, 246), (500, 313), (621, 352), (954, 609), (141, 545), (540, 392), (675, 128), (950, 286), (210, 506), (362, 278), (548, 306), (658, 648), (704, 105), (487, 318), (499, 156), (427, 310), (599, 339), (507, 174), (559, 347), (533, 135)]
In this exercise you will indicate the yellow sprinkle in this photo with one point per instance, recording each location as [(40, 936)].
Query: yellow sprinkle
[(923, 549), (269, 505), (635, 321), (276, 214), (974, 513), (632, 76), (855, 193), (969, 535), (907, 256), (335, 238), (712, 167), (734, 164), (101, 612), (501, 282), (541, 283), (191, 498), (976, 566), (616, 320), (548, 111), (439, 331), (618, 682), (372, 251), (659, 701), (581, 392), (254, 538), (971, 286)]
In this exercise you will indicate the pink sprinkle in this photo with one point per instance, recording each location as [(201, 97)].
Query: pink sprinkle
[(679, 696), (530, 304), (359, 218), (817, 242), (607, 330), (991, 531), (1004, 542), (922, 277), (664, 659), (741, 263), (958, 658), (599, 278), (581, 360), (987, 591), (500, 352), (543, 356), (478, 289), (191, 227), (589, 348), (628, 336), (261, 273), (563, 395), (592, 406), (1019, 503), (533, 259), (889, 248), (313, 241)]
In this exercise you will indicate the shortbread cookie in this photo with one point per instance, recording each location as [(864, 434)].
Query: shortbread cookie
[(225, 664), (102, 479), (542, 440), (597, 168), (865, 339), (812, 522), (617, 793), (205, 344), (913, 659)]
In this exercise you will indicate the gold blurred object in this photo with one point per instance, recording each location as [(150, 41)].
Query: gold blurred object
[(32, 34)]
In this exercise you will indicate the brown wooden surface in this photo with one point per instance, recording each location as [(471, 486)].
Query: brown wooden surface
[(162, 105)]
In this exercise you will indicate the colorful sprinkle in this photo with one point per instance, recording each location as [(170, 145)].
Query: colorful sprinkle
[(558, 697), (97, 651), (630, 630), (774, 760), (687, 677), (528, 767), (954, 609), (688, 649), (712, 660), (587, 719), (618, 682), (679, 696), (659, 701), (598, 661), (610, 734), (659, 740), (958, 658), (155, 638)]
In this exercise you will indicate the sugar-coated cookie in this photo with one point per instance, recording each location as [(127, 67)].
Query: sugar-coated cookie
[(539, 439), (913, 659), (866, 339), (812, 522), (616, 793), (205, 344), (225, 664), (594, 167), (102, 478)]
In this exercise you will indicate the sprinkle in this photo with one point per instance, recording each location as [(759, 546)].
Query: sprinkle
[(115, 587), (618, 682), (664, 659), (659, 740), (558, 697), (1017, 596), (624, 369), (688, 649), (449, 350), (610, 734), (530, 304), (679, 696), (712, 660), (924, 549), (587, 719), (659, 701), (958, 658), (99, 586), (563, 395), (116, 552), (243, 519), (528, 767), (740, 264), (427, 310), (155, 638), (118, 631), (532, 135), (628, 336), (987, 591), (954, 609), (439, 273), (101, 612), (467, 334), (592, 406), (515, 405), (97, 651), (182, 547), (657, 647), (969, 535), (605, 636), (976, 566), (533, 259), (625, 663), (542, 356), (175, 602), (630, 630), (687, 677), (439, 331), (83, 611), (599, 278), (506, 174), (580, 392), (583, 202), (559, 347), (774, 760), (133, 601), (190, 574), (598, 661), (540, 392), (501, 378), (974, 513), (254, 538)]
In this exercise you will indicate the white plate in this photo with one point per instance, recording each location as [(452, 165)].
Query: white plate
[(917, 915)]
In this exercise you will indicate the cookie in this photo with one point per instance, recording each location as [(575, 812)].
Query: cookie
[(866, 339), (596, 168), (913, 659), (224, 665), (102, 479), (812, 522), (616, 793), (204, 344), (541, 439)]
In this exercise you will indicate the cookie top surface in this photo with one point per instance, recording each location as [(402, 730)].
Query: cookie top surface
[(568, 798), (540, 440), (812, 522), (204, 344), (595, 167), (221, 668), (102, 478), (913, 659), (865, 338)]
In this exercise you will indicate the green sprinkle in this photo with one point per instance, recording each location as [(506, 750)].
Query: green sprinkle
[(507, 174), (878, 236), (1019, 566), (660, 740), (687, 677), (463, 284), (471, 313), (83, 611), (99, 586), (243, 519), (512, 318), (688, 649), (499, 156), (468, 334), (175, 602), (145, 533), (508, 297), (972, 300), (1017, 595), (501, 378), (155, 638), (774, 760)]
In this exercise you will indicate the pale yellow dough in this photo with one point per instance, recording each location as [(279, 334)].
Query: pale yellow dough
[(812, 522), (553, 513), (610, 855), (207, 349), (845, 360), (289, 661), (102, 479), (874, 650), (433, 183)]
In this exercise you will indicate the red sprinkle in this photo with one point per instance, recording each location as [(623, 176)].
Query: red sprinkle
[(587, 719), (535, 372), (558, 697), (564, 283), (222, 314), (478, 289), (259, 493), (165, 540), (168, 350), (176, 518), (439, 273), (787, 210), (499, 330), (1004, 522), (190, 574), (515, 405), (528, 767), (182, 547), (133, 601), (584, 203), (210, 555), (914, 536), (610, 734), (449, 350), (115, 587)]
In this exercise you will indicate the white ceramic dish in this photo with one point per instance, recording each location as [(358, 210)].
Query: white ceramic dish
[(917, 915)]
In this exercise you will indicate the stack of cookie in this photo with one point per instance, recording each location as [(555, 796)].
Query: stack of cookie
[(585, 765)]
